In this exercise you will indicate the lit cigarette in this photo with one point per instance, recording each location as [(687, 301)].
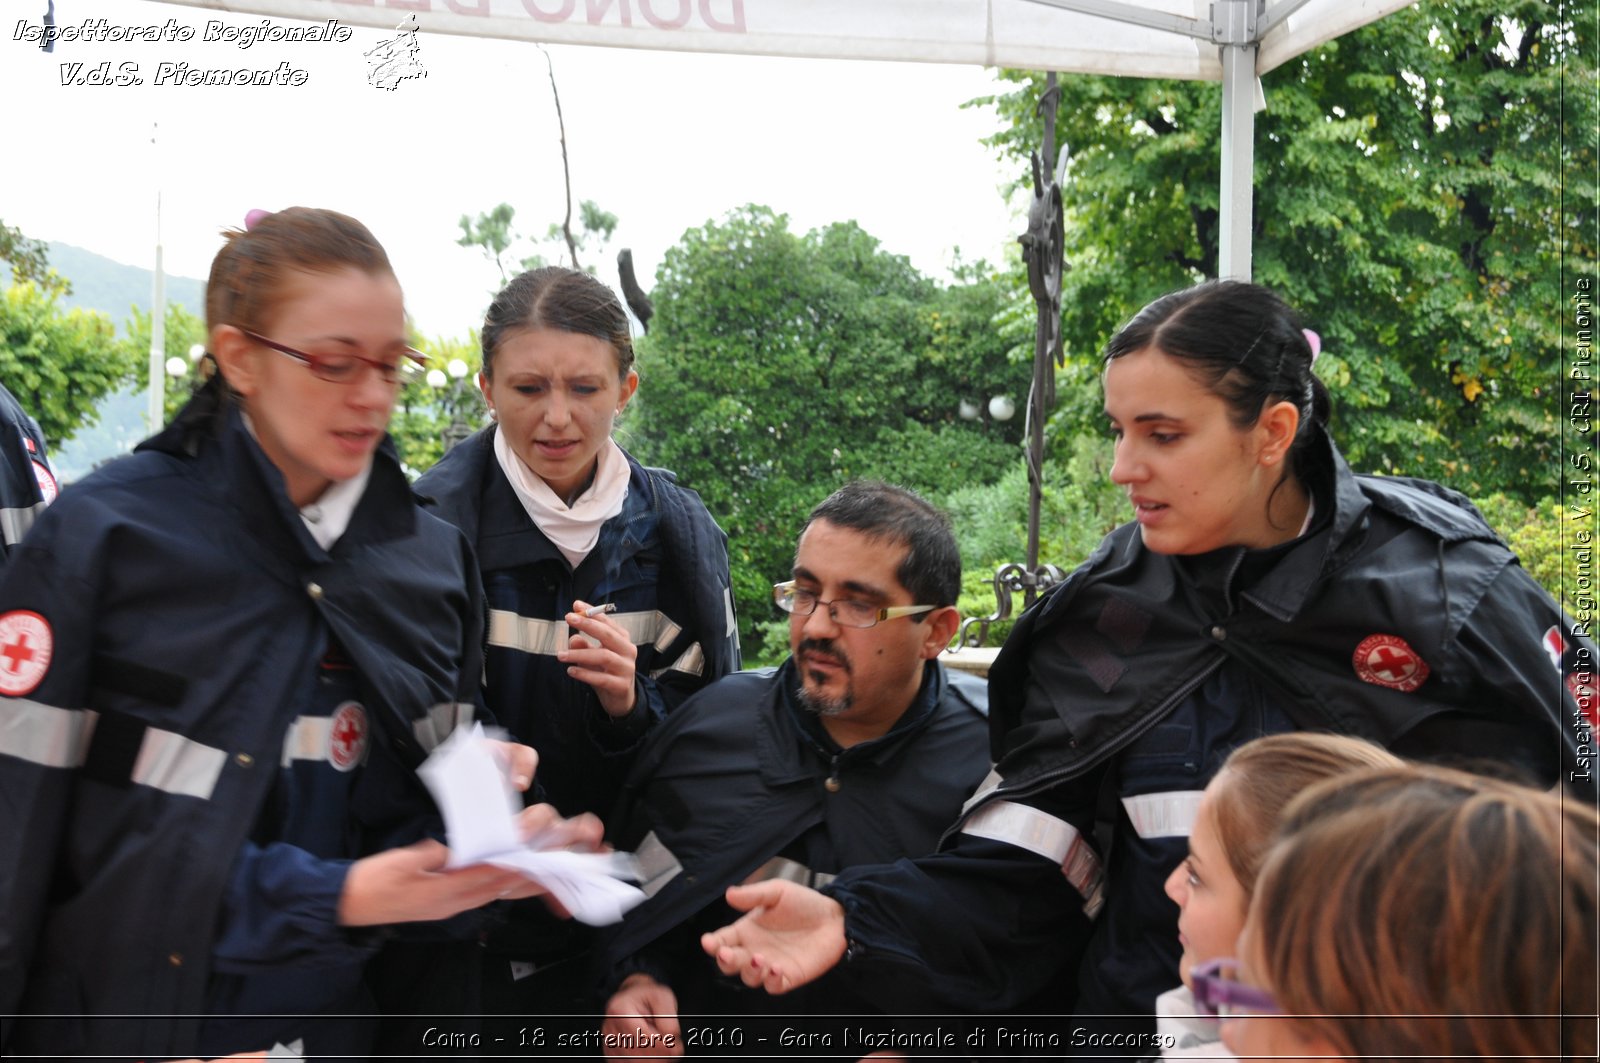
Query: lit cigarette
[(597, 610)]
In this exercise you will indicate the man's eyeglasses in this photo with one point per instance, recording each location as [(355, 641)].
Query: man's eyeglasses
[(343, 368), (1218, 993), (846, 612)]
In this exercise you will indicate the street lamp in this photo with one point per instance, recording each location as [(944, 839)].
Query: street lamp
[(450, 382)]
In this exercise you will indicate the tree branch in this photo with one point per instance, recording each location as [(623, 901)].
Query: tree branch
[(566, 170)]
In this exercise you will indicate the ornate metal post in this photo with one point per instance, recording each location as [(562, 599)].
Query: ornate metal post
[(1042, 250)]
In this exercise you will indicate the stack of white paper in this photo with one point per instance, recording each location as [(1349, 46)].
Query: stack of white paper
[(480, 807)]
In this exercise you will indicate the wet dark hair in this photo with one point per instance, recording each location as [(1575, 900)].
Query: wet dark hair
[(555, 297), (246, 285), (1243, 344), (931, 569)]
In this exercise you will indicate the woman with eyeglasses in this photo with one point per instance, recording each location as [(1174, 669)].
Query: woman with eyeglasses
[(1227, 842), (1261, 587), (1419, 913), (221, 660), (609, 593)]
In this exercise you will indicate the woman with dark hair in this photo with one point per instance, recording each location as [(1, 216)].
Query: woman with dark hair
[(609, 595), (1419, 913), (1262, 587), (224, 658)]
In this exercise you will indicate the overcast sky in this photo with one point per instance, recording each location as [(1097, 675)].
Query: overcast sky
[(666, 141)]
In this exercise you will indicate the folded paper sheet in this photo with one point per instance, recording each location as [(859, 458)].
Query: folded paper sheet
[(480, 809)]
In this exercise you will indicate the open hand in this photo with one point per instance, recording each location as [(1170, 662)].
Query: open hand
[(791, 936)]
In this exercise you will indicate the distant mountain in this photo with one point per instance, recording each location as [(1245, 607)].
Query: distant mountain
[(98, 283), (113, 288)]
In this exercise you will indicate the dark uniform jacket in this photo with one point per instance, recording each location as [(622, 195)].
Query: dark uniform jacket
[(217, 716), (663, 562), (1399, 617), (743, 784), (27, 483)]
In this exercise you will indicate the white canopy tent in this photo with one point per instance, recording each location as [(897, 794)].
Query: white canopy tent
[(1232, 41)]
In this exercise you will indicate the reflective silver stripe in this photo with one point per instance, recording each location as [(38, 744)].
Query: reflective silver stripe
[(1025, 827), (1164, 815), (990, 783), (548, 637), (14, 523), (691, 661), (657, 866), (526, 633), (307, 739), (790, 871), (178, 765), (442, 719), (59, 738), (669, 633), (44, 734), (1054, 839)]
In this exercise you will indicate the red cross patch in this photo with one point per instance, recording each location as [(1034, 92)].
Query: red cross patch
[(48, 489), (347, 736), (1386, 661), (1555, 646), (25, 648)]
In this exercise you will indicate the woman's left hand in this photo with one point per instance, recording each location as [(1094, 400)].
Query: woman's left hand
[(602, 655)]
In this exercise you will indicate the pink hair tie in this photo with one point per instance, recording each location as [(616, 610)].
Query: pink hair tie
[(253, 217), (1315, 343)]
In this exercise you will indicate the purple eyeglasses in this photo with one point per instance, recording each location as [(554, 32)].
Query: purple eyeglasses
[(341, 368), (1218, 993)]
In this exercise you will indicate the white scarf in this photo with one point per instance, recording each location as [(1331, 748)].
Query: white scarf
[(573, 529)]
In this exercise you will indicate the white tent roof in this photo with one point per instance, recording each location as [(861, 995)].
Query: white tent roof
[(1232, 41), (1028, 34)]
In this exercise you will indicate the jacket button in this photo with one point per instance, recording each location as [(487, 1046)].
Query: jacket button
[(244, 760), (1219, 633), (315, 590), (176, 959), (832, 785)]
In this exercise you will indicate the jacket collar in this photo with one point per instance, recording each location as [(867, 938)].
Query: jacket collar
[(1284, 589), (210, 432), (794, 740)]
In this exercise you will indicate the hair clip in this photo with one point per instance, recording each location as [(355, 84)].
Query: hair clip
[(1315, 343), (253, 217)]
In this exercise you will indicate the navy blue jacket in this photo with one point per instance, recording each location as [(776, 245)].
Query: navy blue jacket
[(1399, 617), (743, 784), (27, 483), (217, 717), (662, 561)]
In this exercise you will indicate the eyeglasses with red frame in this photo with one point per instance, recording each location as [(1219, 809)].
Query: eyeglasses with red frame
[(1218, 993), (343, 368)]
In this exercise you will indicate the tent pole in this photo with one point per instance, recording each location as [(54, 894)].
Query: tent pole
[(1238, 160)]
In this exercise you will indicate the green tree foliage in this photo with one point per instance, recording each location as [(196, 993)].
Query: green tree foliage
[(29, 259), (778, 366), (183, 332), (59, 363), (1409, 200), (496, 235), (424, 409)]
